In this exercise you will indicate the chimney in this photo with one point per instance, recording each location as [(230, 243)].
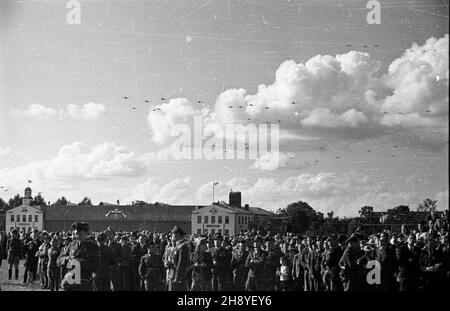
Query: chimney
[(246, 207), (235, 199)]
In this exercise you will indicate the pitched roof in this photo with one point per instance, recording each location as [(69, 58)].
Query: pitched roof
[(136, 212)]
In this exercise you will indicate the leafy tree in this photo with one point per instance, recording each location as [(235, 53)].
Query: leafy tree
[(38, 200), (86, 201), (299, 217), (366, 212), (3, 204), (15, 201), (427, 206), (330, 215), (61, 201), (139, 203)]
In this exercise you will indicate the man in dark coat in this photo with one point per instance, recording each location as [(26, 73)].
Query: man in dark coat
[(240, 271), (114, 268), (136, 252), (124, 263), (14, 249), (255, 262), (408, 258), (180, 261), (221, 262), (297, 269), (150, 268), (82, 254), (102, 278), (333, 256), (385, 255), (348, 262), (202, 266), (31, 260), (271, 265)]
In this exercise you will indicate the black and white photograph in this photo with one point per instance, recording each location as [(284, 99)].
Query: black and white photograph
[(248, 149)]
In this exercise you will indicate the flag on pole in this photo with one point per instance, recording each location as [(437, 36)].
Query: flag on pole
[(215, 183)]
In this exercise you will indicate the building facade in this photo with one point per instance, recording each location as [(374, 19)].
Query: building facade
[(25, 217), (158, 216), (226, 219)]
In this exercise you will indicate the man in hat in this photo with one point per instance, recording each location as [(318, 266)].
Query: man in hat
[(202, 265), (240, 271), (31, 261), (67, 239), (271, 264), (137, 253), (348, 262), (255, 263), (82, 254), (150, 268), (102, 278), (124, 264), (115, 248), (221, 261), (369, 255), (14, 250), (180, 260)]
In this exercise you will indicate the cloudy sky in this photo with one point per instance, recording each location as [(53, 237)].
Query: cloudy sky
[(369, 125)]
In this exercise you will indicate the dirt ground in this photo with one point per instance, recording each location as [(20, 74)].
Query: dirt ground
[(15, 285)]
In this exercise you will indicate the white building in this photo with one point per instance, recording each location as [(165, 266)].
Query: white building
[(223, 218), (25, 217)]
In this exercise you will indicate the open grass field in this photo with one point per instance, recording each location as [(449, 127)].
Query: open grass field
[(15, 285)]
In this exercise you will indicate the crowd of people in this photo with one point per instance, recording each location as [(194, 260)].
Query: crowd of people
[(414, 259)]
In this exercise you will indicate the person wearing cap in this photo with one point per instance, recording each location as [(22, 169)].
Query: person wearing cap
[(102, 278), (150, 267), (351, 275), (180, 261), (31, 261), (115, 247), (202, 265), (42, 254), (137, 253), (124, 264), (67, 239), (14, 251), (255, 264), (83, 254), (52, 267), (221, 261), (271, 265), (240, 271)]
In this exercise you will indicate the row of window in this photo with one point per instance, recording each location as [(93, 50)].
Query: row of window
[(226, 232), (24, 218), (213, 219), (243, 220)]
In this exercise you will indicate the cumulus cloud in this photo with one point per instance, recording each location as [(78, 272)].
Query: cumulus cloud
[(89, 111), (78, 162), (345, 95), (37, 111), (167, 117)]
